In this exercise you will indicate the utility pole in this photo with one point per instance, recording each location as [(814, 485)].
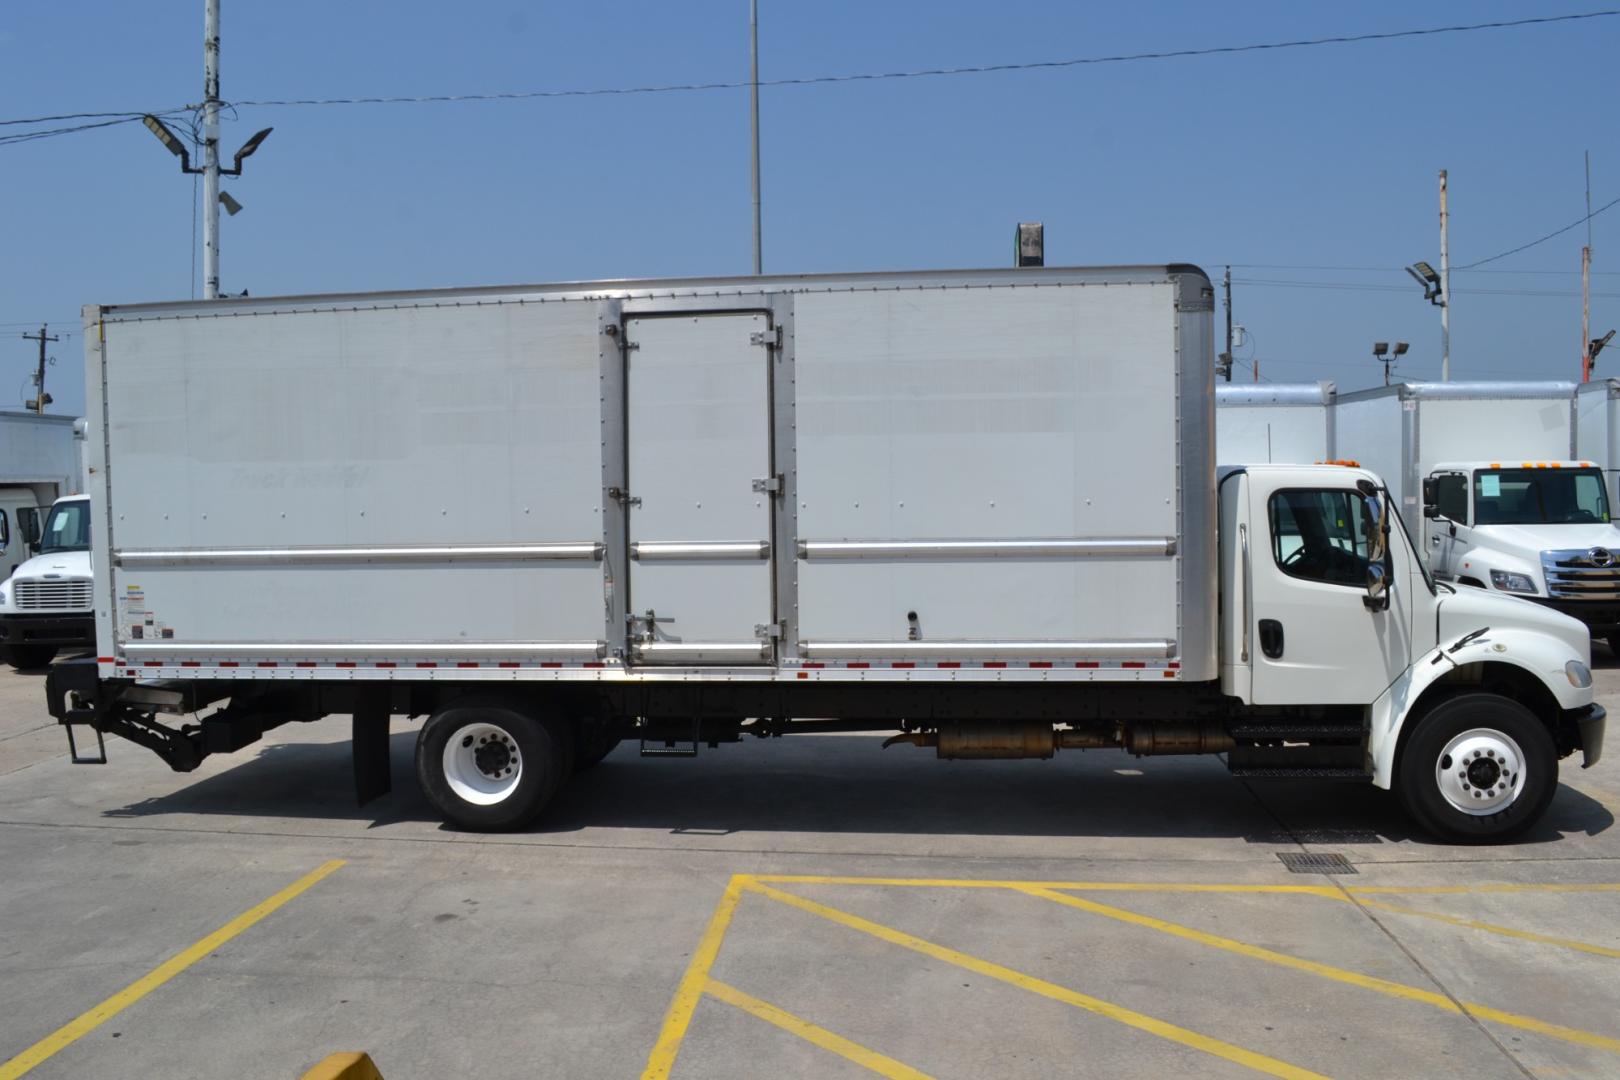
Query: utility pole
[(1226, 357), (753, 102), (1586, 282), (41, 399), (210, 128), (1445, 285)]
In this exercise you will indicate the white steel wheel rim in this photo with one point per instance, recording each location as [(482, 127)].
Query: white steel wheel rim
[(482, 763), (1480, 771)]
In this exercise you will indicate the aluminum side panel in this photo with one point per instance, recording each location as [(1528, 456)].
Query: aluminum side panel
[(1008, 414), (1293, 434), (356, 430)]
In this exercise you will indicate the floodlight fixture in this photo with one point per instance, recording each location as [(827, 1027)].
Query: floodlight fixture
[(1425, 276), (1597, 344), (1400, 348), (232, 207), (246, 151), (170, 140), (1380, 348)]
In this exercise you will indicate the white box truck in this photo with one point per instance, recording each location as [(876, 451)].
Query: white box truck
[(1488, 477), (978, 509), (45, 590), (1281, 423), (1597, 430)]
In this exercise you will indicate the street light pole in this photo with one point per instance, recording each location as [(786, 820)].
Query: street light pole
[(753, 126), (210, 127), (1445, 286)]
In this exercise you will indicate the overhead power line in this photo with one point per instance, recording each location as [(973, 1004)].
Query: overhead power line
[(1556, 232), (111, 118)]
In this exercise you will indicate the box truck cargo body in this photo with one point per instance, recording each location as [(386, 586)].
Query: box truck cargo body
[(1275, 423), (1597, 429), (977, 509)]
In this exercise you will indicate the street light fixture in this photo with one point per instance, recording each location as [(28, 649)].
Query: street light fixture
[(1382, 353), (1425, 276), (1594, 347)]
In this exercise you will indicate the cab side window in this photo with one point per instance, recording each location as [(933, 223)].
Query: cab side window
[(1320, 534), (1451, 497)]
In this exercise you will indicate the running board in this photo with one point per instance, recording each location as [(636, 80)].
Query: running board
[(1300, 772)]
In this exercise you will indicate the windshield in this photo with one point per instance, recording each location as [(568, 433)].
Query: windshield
[(1540, 497), (68, 528)]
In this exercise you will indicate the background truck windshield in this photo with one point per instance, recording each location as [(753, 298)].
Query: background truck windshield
[(68, 528), (1539, 496)]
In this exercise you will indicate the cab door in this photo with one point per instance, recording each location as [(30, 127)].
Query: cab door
[(1314, 638)]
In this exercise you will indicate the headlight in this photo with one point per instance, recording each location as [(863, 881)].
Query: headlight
[(1519, 583), (1580, 676)]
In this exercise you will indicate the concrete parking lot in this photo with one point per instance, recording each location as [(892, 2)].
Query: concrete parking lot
[(797, 907)]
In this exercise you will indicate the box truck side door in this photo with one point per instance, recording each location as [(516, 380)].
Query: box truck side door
[(699, 475), (1314, 638)]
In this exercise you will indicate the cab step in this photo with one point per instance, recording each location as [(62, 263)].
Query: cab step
[(1297, 731), (1298, 772)]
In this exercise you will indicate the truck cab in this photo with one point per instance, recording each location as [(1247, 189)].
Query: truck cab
[(48, 602), (1541, 530)]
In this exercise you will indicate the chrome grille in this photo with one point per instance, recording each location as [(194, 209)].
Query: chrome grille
[(52, 595), (1582, 574)]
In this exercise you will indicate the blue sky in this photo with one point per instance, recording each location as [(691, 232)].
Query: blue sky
[(1273, 161)]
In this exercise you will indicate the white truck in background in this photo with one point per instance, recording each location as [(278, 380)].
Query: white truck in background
[(41, 461), (1282, 423), (1597, 430), (977, 509), (1487, 476)]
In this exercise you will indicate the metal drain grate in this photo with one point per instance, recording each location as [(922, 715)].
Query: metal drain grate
[(1302, 862)]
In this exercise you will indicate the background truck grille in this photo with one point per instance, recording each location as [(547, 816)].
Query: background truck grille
[(52, 595), (1582, 574)]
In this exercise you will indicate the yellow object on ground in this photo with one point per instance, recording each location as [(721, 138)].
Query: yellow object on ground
[(349, 1065)]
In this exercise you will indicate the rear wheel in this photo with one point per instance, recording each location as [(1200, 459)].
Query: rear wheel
[(490, 768), (1478, 767), (24, 657)]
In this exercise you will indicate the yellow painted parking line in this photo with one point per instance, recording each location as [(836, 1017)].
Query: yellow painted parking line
[(1489, 928), (1179, 887), (804, 1029), (1326, 971), (1152, 1025), (87, 1022), (690, 990)]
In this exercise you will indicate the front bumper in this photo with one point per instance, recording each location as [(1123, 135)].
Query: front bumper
[(1602, 617), (1590, 722), (48, 629)]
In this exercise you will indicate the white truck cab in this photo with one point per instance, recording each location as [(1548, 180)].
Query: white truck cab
[(47, 603), (1537, 529)]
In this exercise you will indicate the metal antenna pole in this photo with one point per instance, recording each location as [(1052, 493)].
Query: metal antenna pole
[(1445, 286), (211, 150), (753, 102), (1586, 281), (1226, 357)]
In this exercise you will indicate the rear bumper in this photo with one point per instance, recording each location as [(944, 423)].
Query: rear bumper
[(1602, 617), (48, 629)]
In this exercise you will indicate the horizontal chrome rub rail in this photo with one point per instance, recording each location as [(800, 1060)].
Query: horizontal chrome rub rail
[(344, 650), (680, 651), (584, 551), (1131, 649), (1075, 548), (699, 550)]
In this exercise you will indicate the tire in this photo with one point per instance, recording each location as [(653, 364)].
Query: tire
[(29, 657), (1510, 777), (487, 768), (596, 741)]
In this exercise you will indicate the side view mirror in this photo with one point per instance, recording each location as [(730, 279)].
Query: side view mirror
[(1373, 515), (5, 531), (1431, 494), (28, 525), (1377, 598)]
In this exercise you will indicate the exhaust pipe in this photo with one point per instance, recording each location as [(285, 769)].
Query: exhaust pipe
[(969, 742)]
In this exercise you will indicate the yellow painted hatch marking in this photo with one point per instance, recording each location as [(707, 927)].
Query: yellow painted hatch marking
[(804, 1029), (679, 1016)]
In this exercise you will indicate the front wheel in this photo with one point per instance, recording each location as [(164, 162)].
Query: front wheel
[(1478, 767), (488, 768)]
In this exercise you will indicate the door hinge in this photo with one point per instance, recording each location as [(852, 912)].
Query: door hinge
[(771, 485), (623, 497), (770, 631), (771, 339)]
